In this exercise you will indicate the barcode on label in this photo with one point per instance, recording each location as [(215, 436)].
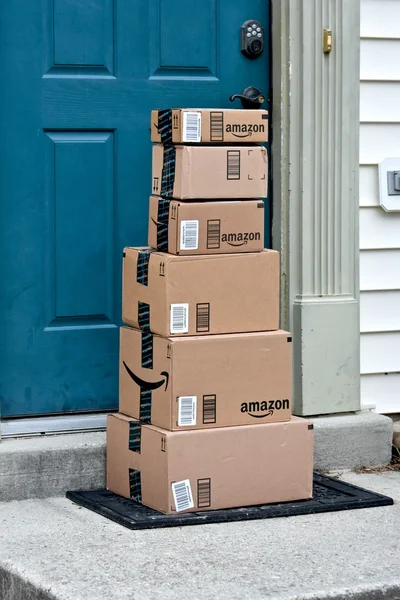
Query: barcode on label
[(182, 493), (191, 127), (179, 318), (203, 493), (203, 317), (189, 235), (233, 164), (209, 409), (213, 234), (187, 406), (216, 126)]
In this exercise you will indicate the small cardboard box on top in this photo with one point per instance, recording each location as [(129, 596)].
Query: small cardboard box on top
[(200, 295), (216, 227), (208, 125), (205, 469), (210, 172), (209, 381)]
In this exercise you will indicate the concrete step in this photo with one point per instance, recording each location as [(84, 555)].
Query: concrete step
[(53, 549), (46, 466), (50, 465)]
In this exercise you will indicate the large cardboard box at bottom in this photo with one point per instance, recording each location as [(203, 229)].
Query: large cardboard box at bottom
[(216, 227), (190, 172), (200, 295), (208, 381), (190, 471)]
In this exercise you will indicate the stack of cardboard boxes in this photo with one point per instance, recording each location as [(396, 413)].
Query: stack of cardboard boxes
[(205, 373)]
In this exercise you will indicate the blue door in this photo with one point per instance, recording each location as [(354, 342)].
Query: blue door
[(79, 81)]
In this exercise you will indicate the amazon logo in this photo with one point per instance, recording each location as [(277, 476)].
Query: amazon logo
[(244, 130), (260, 410), (148, 385), (240, 239)]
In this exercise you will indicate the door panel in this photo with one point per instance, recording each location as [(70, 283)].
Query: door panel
[(81, 79)]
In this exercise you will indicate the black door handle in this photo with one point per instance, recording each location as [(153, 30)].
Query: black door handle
[(251, 97)]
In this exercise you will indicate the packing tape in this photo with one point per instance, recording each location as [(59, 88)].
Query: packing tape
[(145, 397), (168, 172), (135, 485), (145, 406), (147, 350), (162, 224), (142, 277), (142, 273), (135, 436), (144, 316), (147, 338), (165, 125)]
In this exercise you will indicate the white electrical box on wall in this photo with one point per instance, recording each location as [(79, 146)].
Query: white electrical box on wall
[(389, 184)]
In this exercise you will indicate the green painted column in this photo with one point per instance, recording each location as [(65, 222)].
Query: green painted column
[(315, 195)]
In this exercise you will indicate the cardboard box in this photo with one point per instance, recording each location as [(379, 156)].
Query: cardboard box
[(209, 172), (208, 125), (190, 471), (210, 381), (200, 295), (224, 227)]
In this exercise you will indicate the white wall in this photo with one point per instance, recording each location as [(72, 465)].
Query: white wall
[(379, 230)]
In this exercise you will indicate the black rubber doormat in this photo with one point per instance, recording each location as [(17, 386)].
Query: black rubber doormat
[(329, 495)]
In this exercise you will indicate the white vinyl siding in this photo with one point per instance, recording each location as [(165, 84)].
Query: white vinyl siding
[(386, 387), (380, 19), (379, 311), (380, 353), (379, 59), (379, 230), (379, 270)]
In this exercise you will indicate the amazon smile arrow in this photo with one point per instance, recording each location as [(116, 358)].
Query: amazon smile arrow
[(148, 385)]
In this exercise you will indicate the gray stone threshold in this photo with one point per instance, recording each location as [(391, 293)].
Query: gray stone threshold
[(50, 465), (60, 424)]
